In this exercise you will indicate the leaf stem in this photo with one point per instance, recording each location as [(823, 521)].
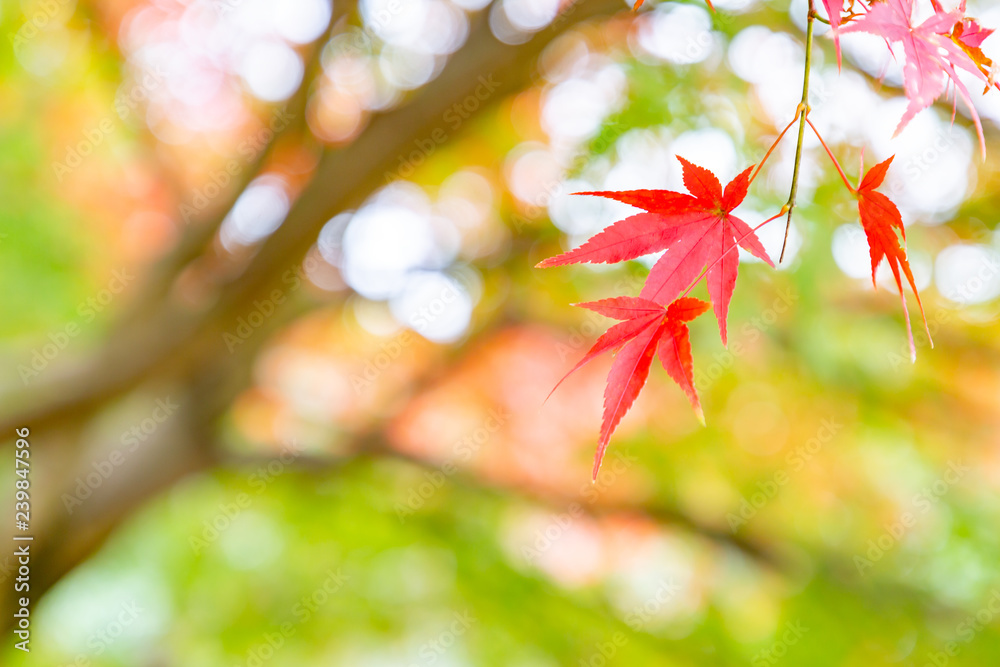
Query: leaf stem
[(802, 110), (833, 159), (773, 146), (735, 247), (773, 217)]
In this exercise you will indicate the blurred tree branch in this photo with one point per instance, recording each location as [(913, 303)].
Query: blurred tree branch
[(176, 336), (169, 343), (199, 233)]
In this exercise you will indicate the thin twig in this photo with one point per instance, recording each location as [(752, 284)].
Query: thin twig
[(803, 110)]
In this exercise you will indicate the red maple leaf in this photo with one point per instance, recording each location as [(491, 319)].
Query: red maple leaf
[(932, 52), (880, 218), (697, 230), (969, 36), (833, 10), (646, 329)]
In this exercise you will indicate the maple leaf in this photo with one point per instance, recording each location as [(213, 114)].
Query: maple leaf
[(833, 10), (880, 218), (696, 230), (932, 54), (646, 329), (969, 36)]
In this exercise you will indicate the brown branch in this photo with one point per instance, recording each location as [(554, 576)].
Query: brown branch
[(198, 233), (175, 338)]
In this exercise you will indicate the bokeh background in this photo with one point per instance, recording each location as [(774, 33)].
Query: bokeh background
[(270, 314)]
